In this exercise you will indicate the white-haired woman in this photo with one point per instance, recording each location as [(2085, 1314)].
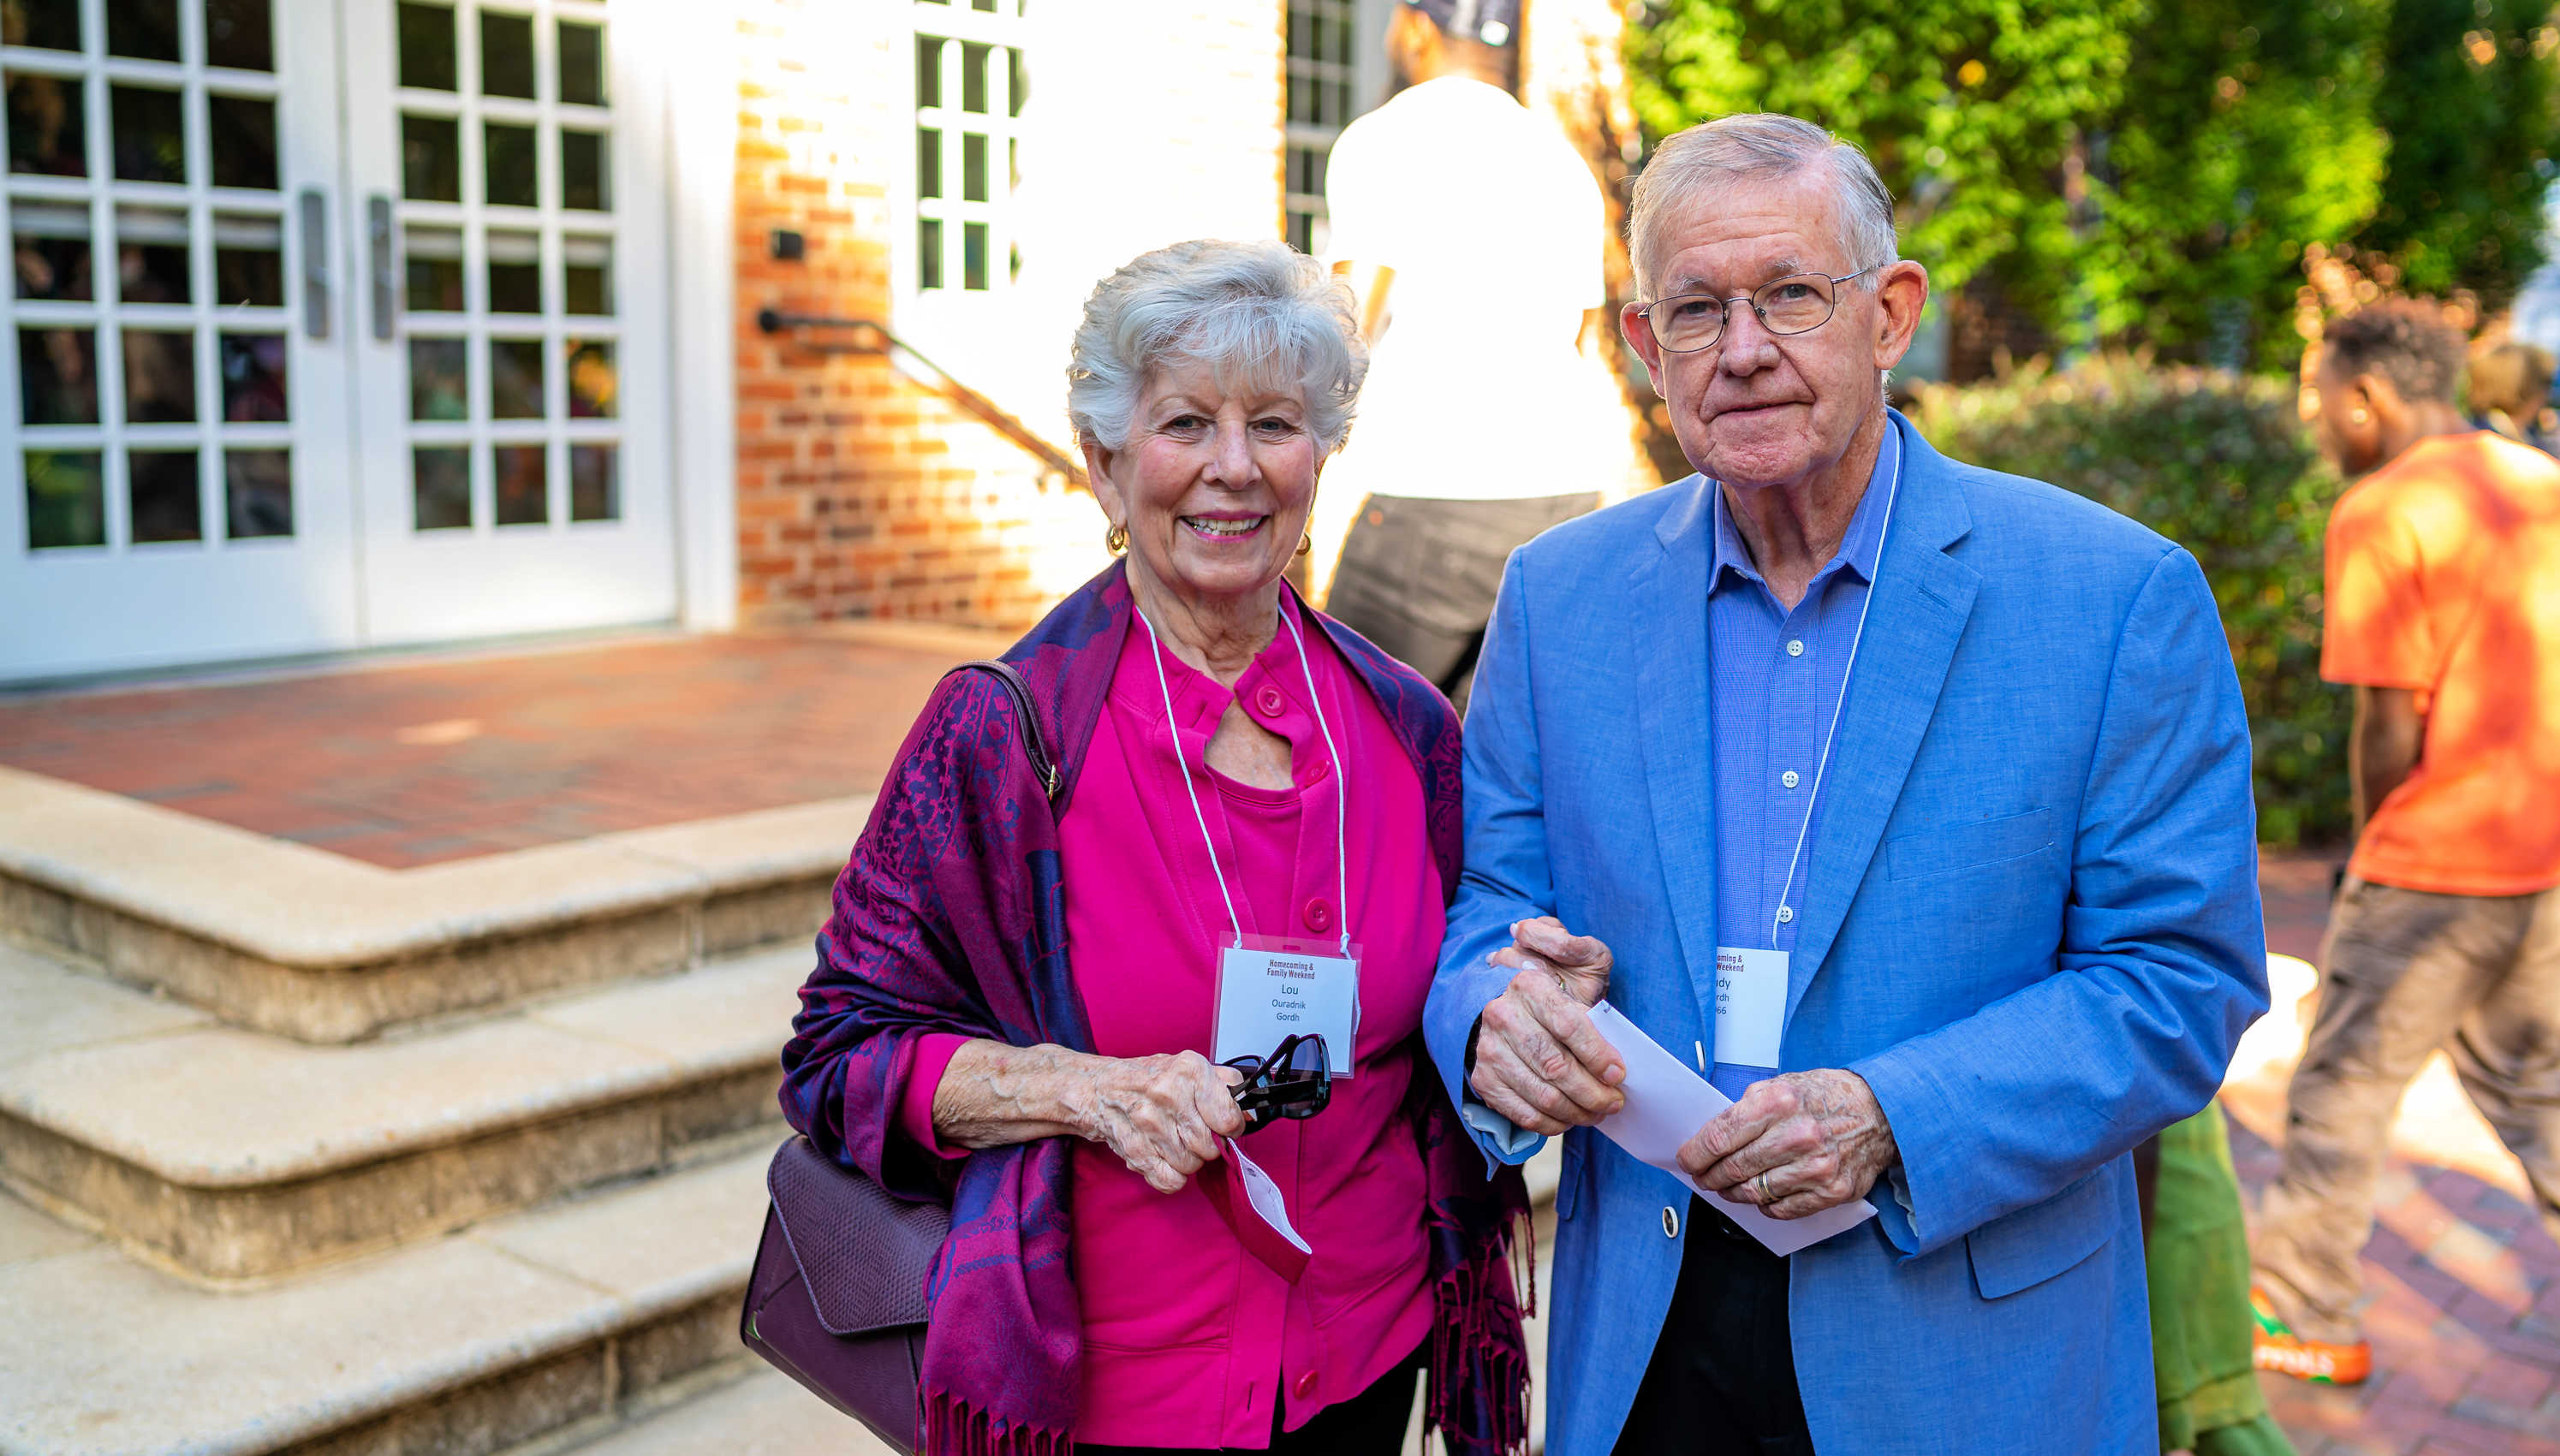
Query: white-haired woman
[(1050, 998)]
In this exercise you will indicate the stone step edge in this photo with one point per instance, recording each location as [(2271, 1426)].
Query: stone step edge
[(605, 1334), (312, 946)]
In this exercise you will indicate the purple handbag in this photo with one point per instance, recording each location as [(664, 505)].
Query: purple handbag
[(837, 1297)]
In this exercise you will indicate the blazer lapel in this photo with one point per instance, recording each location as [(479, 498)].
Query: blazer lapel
[(1921, 599), (1673, 703)]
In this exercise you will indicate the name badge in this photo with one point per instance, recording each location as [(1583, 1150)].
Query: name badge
[(1269, 989), (1750, 1004)]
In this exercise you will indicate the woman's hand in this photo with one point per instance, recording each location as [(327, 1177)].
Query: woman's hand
[(1162, 1115)]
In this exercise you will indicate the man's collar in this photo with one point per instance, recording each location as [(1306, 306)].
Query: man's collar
[(1858, 549)]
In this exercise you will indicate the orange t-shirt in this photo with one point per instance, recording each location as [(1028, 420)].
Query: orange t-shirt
[(2444, 577)]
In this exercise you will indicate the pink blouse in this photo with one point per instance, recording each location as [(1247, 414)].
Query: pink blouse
[(1189, 1338)]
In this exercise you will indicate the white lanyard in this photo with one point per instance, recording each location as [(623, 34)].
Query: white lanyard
[(1883, 533), (1342, 786)]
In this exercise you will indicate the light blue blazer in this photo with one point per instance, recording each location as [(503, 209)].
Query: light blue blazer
[(2033, 926)]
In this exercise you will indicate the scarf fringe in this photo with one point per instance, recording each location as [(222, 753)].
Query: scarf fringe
[(1478, 1392), (951, 1426)]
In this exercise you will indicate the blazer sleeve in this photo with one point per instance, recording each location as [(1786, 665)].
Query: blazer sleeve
[(2163, 960), (1506, 878)]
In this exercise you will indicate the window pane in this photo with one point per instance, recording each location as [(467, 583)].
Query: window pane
[(581, 64), (253, 377), (430, 159), (257, 494), (52, 24), (146, 30), (239, 33), (434, 269), (929, 252), (65, 499), (514, 379), (52, 247), (510, 164), (151, 256), (594, 488), (524, 490), (506, 55), (973, 167), (438, 380), (973, 255), (586, 274), (583, 182), (160, 491), (57, 377), (46, 132), (150, 134), (514, 272), (441, 488), (159, 377), (928, 71), (973, 77), (248, 260), (243, 141), (928, 162), (592, 384), (1017, 83), (426, 47)]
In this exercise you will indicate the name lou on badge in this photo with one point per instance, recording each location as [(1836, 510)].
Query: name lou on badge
[(1266, 994)]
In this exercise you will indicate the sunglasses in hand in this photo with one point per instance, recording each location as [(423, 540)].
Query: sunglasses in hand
[(1295, 1080)]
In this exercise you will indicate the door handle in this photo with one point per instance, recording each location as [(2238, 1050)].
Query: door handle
[(315, 264), (377, 229)]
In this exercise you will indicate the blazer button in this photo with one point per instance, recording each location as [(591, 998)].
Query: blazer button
[(1269, 700), (1304, 1386), (1671, 1223), (1320, 913)]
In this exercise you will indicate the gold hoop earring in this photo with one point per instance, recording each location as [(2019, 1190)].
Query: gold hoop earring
[(1116, 539), (1306, 543)]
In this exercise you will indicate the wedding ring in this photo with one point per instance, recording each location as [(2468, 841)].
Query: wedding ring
[(1765, 1199)]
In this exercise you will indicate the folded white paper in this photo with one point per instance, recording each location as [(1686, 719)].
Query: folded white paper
[(1667, 1104)]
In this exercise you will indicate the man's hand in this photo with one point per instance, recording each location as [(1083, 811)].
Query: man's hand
[(1796, 1144), (1540, 1061)]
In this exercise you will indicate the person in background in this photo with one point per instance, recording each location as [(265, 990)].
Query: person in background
[(2195, 1256), (1472, 234), (2445, 931), (2510, 392)]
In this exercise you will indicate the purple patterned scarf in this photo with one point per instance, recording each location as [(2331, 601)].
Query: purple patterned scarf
[(949, 918)]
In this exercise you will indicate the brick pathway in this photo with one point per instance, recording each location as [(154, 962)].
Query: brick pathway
[(402, 765), (2465, 1316)]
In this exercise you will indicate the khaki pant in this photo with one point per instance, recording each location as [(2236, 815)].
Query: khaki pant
[(2408, 971)]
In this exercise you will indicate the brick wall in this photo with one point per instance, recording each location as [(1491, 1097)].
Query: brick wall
[(861, 492)]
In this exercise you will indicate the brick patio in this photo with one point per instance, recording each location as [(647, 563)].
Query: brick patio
[(402, 765)]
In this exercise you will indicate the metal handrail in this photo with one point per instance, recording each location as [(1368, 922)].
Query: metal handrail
[(993, 415)]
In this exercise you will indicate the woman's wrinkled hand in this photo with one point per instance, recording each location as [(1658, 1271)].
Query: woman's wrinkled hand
[(1162, 1115)]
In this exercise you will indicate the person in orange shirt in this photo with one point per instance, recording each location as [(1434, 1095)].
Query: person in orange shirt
[(2444, 614)]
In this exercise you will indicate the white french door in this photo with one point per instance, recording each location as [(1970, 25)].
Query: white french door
[(329, 325)]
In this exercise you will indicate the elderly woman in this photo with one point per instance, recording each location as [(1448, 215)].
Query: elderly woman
[(1027, 991)]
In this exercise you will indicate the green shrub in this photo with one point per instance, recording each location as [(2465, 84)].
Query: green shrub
[(2220, 464)]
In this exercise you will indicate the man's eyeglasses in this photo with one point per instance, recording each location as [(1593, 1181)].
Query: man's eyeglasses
[(1295, 1080), (1795, 304)]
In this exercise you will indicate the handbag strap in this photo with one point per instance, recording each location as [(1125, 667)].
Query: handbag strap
[(1034, 744)]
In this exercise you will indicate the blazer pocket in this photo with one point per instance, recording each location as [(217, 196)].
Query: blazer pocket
[(2021, 1250), (1947, 847)]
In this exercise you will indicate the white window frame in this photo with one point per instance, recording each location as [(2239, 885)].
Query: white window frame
[(952, 321)]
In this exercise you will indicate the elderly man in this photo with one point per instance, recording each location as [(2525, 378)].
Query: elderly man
[(1915, 799)]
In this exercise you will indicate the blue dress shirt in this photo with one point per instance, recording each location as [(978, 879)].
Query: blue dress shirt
[(1776, 678)]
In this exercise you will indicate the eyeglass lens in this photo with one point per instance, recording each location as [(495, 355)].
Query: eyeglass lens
[(1790, 305)]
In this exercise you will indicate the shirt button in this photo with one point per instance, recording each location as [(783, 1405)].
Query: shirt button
[(1269, 702), (1788, 778), (1320, 913), (1795, 647), (1304, 1385), (1670, 1223), (1786, 913)]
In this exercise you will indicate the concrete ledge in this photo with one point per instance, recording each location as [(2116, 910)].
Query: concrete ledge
[(227, 1156), (462, 1346), (308, 944)]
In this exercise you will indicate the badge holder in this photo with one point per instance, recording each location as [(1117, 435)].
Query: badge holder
[(1270, 987)]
